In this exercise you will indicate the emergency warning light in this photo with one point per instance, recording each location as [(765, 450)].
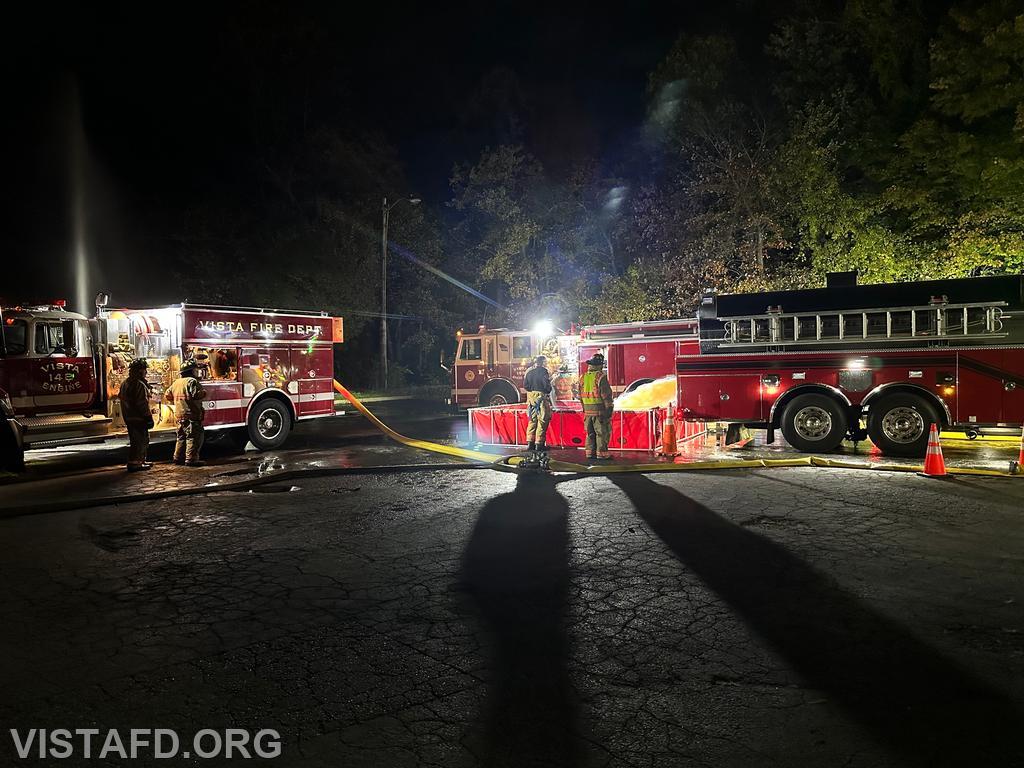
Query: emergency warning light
[(544, 328)]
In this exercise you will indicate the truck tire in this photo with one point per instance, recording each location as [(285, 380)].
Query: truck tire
[(814, 423), (498, 393), (269, 424), (899, 424)]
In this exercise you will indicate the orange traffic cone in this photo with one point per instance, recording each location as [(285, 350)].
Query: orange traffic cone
[(934, 465), (1020, 458), (668, 435)]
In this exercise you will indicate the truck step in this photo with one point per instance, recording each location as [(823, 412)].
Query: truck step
[(63, 426)]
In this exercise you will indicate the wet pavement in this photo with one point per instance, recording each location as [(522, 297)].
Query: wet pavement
[(457, 618), (84, 472), (62, 476)]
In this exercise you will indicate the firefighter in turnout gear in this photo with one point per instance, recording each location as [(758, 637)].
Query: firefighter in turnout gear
[(538, 404), (597, 398), (187, 395), (134, 395), (564, 384)]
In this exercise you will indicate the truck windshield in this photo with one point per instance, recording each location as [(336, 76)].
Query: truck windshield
[(15, 336), (470, 349)]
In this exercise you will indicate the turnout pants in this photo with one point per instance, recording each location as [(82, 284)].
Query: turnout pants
[(538, 407), (138, 442), (599, 432), (189, 442)]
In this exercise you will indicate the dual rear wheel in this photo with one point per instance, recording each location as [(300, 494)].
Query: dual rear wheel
[(898, 424)]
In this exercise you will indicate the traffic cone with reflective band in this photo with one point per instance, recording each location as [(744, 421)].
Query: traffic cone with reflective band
[(668, 434), (934, 465)]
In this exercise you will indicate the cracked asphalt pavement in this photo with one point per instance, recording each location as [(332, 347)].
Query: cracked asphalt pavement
[(795, 617)]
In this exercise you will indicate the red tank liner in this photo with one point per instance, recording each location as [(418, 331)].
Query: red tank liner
[(506, 425)]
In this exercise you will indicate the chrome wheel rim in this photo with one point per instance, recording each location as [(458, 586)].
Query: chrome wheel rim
[(903, 425), (812, 423), (270, 424), (498, 400)]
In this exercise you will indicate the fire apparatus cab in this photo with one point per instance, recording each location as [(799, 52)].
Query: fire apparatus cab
[(263, 370), (856, 361), (490, 365)]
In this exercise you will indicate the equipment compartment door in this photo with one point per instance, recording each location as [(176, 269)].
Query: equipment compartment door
[(980, 387), (1013, 386), (732, 397), (699, 397), (314, 371)]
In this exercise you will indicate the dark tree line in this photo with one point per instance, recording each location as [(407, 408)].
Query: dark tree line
[(885, 136)]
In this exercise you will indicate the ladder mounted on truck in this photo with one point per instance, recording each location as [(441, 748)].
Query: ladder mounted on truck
[(641, 329), (936, 321)]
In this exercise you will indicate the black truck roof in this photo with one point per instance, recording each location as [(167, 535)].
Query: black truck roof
[(970, 290)]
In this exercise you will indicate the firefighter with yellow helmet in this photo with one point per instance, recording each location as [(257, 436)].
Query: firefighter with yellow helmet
[(598, 400)]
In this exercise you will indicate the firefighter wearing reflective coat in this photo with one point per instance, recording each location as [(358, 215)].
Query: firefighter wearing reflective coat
[(188, 394), (597, 398), (134, 396), (538, 403)]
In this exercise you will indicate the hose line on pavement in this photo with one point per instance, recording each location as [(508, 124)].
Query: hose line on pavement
[(506, 462)]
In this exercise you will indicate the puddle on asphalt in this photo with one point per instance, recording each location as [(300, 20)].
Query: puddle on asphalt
[(261, 469), (271, 489)]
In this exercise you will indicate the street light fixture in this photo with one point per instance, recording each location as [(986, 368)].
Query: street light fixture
[(386, 212)]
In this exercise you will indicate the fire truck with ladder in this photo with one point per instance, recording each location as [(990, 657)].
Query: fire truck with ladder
[(855, 361), (490, 365), (263, 370)]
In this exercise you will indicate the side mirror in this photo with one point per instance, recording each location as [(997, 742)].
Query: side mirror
[(70, 330), (443, 366)]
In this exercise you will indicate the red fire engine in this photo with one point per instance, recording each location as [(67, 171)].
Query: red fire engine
[(263, 370), (490, 365), (856, 361)]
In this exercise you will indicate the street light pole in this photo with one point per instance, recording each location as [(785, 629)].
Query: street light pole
[(384, 297), (385, 214)]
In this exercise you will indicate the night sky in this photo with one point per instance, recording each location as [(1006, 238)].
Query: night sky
[(164, 102)]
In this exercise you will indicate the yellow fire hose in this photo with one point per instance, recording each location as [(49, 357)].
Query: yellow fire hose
[(500, 462)]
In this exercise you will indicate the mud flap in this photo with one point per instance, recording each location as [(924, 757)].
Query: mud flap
[(737, 434)]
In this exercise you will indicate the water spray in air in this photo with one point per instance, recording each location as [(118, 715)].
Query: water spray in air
[(80, 258)]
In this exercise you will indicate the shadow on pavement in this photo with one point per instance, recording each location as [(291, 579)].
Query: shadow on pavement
[(515, 570), (923, 705)]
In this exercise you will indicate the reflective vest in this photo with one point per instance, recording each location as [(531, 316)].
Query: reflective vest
[(590, 393)]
